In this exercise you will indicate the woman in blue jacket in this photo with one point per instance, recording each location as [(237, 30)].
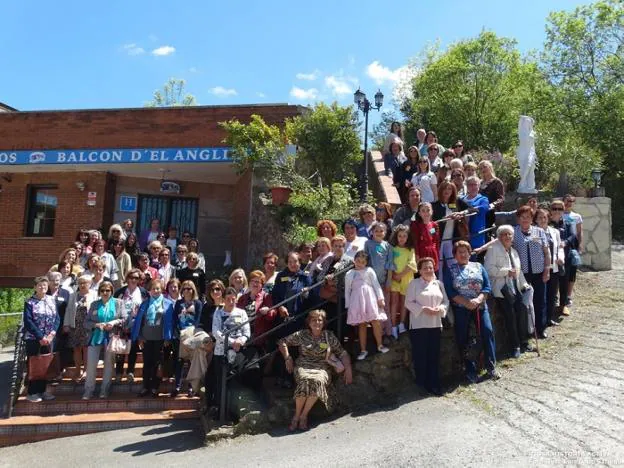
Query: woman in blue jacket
[(153, 329)]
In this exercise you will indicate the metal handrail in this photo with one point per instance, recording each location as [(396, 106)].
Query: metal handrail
[(18, 371)]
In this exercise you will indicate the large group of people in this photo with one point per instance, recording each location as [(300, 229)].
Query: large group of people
[(432, 262)]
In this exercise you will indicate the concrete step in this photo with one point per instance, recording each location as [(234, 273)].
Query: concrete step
[(69, 387), (116, 402), (23, 429)]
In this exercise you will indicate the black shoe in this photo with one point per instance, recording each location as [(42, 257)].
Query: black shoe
[(144, 393), (515, 353), (491, 374), (174, 393), (154, 393), (542, 335), (435, 391), (526, 348), (553, 323), (471, 378), (190, 393)]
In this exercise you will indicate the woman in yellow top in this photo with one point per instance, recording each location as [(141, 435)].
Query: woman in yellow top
[(404, 269)]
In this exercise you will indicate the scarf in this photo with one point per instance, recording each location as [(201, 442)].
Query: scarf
[(105, 313), (155, 306)]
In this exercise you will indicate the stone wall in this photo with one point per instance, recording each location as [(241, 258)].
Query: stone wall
[(597, 235)]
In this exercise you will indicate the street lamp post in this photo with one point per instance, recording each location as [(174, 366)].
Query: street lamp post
[(363, 104)]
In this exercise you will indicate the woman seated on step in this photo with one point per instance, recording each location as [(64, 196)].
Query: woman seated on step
[(317, 348), (105, 316)]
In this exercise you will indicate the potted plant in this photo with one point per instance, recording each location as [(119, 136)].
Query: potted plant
[(279, 178)]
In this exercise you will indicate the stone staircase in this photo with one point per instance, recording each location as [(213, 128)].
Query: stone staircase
[(69, 415)]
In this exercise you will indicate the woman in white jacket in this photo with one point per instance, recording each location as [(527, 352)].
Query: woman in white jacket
[(427, 303), (502, 264)]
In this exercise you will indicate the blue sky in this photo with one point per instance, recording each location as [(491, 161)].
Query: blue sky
[(83, 54)]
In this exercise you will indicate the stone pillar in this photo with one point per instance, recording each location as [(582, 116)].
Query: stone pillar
[(596, 213)]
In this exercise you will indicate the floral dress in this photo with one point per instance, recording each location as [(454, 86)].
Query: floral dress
[(79, 336), (312, 372)]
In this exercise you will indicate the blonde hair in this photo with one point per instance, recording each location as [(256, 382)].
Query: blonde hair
[(188, 284), (234, 273)]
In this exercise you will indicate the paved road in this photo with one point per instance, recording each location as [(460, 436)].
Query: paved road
[(564, 408)]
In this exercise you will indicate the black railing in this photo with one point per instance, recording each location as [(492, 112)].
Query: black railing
[(224, 369), (18, 371)]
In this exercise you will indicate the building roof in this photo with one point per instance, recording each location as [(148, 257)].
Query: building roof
[(5, 108)]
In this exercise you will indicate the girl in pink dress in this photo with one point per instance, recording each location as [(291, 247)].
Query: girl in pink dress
[(365, 300)]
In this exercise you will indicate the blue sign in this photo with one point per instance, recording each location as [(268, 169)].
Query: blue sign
[(116, 156), (128, 203)]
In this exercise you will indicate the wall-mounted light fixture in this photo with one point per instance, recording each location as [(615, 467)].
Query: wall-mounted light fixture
[(80, 185)]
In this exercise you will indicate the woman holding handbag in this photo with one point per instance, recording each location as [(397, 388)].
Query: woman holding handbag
[(104, 315), (41, 320)]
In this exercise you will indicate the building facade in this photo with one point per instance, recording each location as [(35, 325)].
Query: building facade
[(62, 171)]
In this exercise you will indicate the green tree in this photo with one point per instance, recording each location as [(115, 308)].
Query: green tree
[(328, 141), (172, 95), (475, 91)]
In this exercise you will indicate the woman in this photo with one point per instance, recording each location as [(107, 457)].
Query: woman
[(149, 273), (323, 251), (149, 235), (91, 264), (354, 243), (132, 296), (532, 246), (481, 205), (467, 286), (186, 313), (457, 178), (396, 133), (172, 290), (383, 214), (166, 270), (154, 249), (74, 325), (367, 218), (179, 260), (115, 233), (568, 241), (215, 299), (122, 258), (83, 237), (326, 228), (430, 139), (68, 279), (405, 214), (194, 273), (132, 248), (425, 181), (575, 221), (61, 298), (503, 266), (104, 316), (409, 168), (427, 303), (99, 275), (393, 161), (433, 156), (230, 328), (269, 263), (557, 261), (70, 256), (112, 271), (153, 330), (258, 305), (94, 236), (238, 281), (458, 149), (493, 188), (41, 320), (193, 247), (311, 370), (128, 227), (447, 206), (80, 258)]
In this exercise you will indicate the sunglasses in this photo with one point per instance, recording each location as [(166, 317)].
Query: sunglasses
[(216, 290), (556, 209), (106, 290)]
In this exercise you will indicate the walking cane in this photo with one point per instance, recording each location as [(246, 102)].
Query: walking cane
[(535, 333)]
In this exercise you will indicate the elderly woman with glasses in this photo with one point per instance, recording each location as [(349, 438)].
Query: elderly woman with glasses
[(193, 273), (105, 315), (214, 300), (131, 296)]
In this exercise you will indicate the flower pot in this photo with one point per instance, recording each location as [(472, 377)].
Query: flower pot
[(280, 195)]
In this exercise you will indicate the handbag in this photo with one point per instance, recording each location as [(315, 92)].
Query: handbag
[(43, 366), (332, 360), (575, 258), (118, 345)]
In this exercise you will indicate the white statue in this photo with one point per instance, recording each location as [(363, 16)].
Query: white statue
[(527, 158)]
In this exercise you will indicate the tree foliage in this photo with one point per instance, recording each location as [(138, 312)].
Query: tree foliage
[(327, 140), (172, 95), (475, 91)]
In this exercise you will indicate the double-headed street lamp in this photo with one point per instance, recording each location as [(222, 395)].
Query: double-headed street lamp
[(360, 100)]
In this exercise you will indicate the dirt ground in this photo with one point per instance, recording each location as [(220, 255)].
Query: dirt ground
[(563, 408)]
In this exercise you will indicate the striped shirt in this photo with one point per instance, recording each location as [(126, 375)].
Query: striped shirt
[(530, 248)]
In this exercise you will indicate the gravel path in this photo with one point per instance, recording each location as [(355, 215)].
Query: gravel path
[(564, 408)]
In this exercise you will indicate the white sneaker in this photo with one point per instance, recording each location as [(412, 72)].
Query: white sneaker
[(48, 396), (362, 355), (402, 328), (383, 349), (34, 398), (395, 333), (86, 397)]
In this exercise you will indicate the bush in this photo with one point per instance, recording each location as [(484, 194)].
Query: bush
[(11, 300)]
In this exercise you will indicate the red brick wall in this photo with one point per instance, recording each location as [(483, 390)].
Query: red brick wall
[(24, 257), (128, 128)]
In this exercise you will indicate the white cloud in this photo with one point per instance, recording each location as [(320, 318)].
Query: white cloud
[(304, 94), (381, 74), (308, 76), (133, 49), (260, 94), (339, 85), (223, 92), (163, 50)]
